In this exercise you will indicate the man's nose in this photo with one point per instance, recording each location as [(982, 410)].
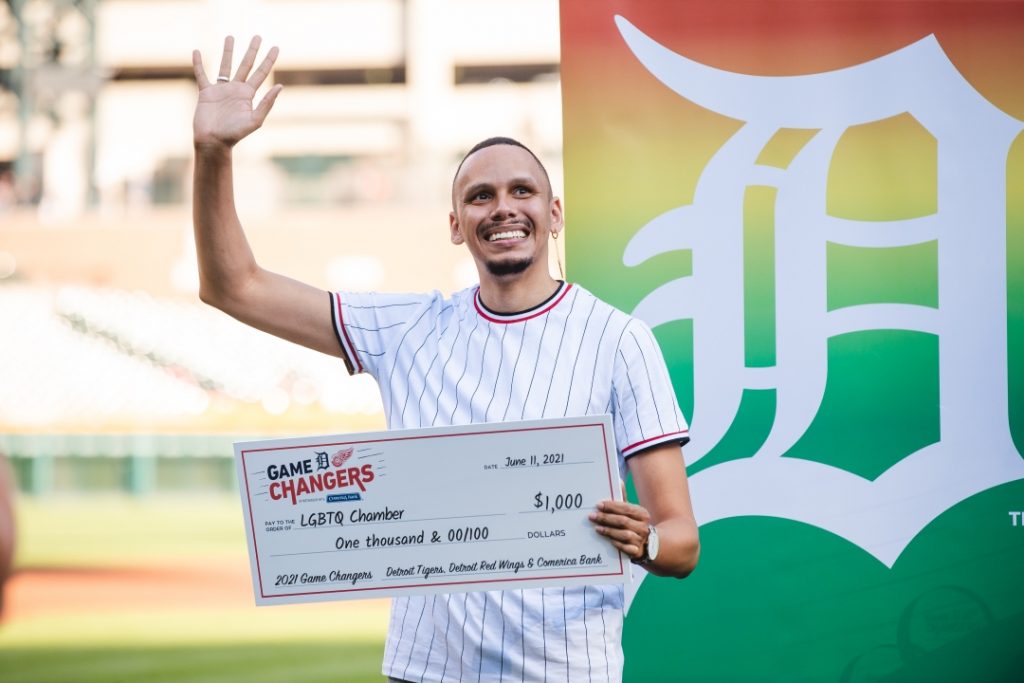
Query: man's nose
[(503, 206)]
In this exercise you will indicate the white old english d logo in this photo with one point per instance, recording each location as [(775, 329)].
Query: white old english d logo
[(973, 137)]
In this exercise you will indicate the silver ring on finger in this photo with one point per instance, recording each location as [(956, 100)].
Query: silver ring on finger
[(223, 79)]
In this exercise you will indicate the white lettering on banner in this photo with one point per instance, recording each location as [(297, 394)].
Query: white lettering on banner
[(1015, 518), (973, 137)]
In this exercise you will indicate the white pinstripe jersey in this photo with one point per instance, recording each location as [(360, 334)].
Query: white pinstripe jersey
[(446, 362)]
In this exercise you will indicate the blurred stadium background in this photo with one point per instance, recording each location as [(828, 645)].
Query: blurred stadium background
[(120, 394), (107, 351)]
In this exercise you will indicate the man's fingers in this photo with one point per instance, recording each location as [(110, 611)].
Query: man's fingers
[(624, 524), (623, 508), (616, 521), (263, 108), (261, 73), (628, 548), (621, 535), (225, 60), (197, 67), (248, 59), (627, 540)]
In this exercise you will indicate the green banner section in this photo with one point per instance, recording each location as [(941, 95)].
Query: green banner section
[(819, 208)]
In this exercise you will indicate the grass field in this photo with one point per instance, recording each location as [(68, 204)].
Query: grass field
[(120, 589)]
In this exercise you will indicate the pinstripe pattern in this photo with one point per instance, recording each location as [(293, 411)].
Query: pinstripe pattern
[(445, 362)]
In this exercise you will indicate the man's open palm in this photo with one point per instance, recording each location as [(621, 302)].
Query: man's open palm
[(225, 113)]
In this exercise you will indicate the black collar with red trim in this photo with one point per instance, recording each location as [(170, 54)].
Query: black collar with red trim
[(521, 316)]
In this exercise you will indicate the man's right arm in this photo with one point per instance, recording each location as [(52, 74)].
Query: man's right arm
[(229, 276)]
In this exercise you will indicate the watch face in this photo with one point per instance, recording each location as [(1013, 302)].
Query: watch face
[(652, 544)]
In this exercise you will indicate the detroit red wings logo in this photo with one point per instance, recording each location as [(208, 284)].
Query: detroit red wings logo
[(339, 458)]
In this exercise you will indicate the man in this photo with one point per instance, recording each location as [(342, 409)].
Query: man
[(522, 345)]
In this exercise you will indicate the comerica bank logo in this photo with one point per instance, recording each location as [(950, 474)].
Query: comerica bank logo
[(975, 451)]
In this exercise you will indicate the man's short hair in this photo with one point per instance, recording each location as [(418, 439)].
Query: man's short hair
[(499, 140)]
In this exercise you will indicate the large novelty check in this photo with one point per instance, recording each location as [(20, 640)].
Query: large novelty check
[(477, 507)]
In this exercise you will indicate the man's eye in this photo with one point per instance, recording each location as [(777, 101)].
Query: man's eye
[(522, 190), (480, 197)]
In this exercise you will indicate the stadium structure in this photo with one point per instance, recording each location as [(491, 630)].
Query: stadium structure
[(112, 370)]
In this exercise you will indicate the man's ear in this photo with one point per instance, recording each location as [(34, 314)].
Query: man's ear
[(453, 224), (557, 217)]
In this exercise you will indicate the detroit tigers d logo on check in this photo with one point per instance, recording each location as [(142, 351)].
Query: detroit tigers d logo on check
[(957, 256)]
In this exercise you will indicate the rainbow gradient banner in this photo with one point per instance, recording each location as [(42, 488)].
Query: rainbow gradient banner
[(819, 208)]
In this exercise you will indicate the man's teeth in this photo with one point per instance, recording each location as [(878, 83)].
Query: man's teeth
[(508, 235)]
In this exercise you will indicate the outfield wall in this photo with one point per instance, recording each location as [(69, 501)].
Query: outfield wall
[(139, 464)]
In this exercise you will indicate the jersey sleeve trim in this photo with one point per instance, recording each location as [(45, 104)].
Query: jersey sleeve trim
[(342, 334), (681, 436)]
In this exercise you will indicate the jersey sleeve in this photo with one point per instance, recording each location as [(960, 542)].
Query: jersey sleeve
[(646, 410), (369, 324)]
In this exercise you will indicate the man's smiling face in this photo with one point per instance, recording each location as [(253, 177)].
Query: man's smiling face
[(503, 210)]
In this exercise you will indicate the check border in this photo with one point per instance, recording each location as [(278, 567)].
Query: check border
[(245, 454)]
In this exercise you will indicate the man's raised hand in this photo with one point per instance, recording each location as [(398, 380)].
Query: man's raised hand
[(225, 113)]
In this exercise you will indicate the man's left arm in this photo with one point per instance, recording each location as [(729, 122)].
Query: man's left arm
[(659, 476)]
